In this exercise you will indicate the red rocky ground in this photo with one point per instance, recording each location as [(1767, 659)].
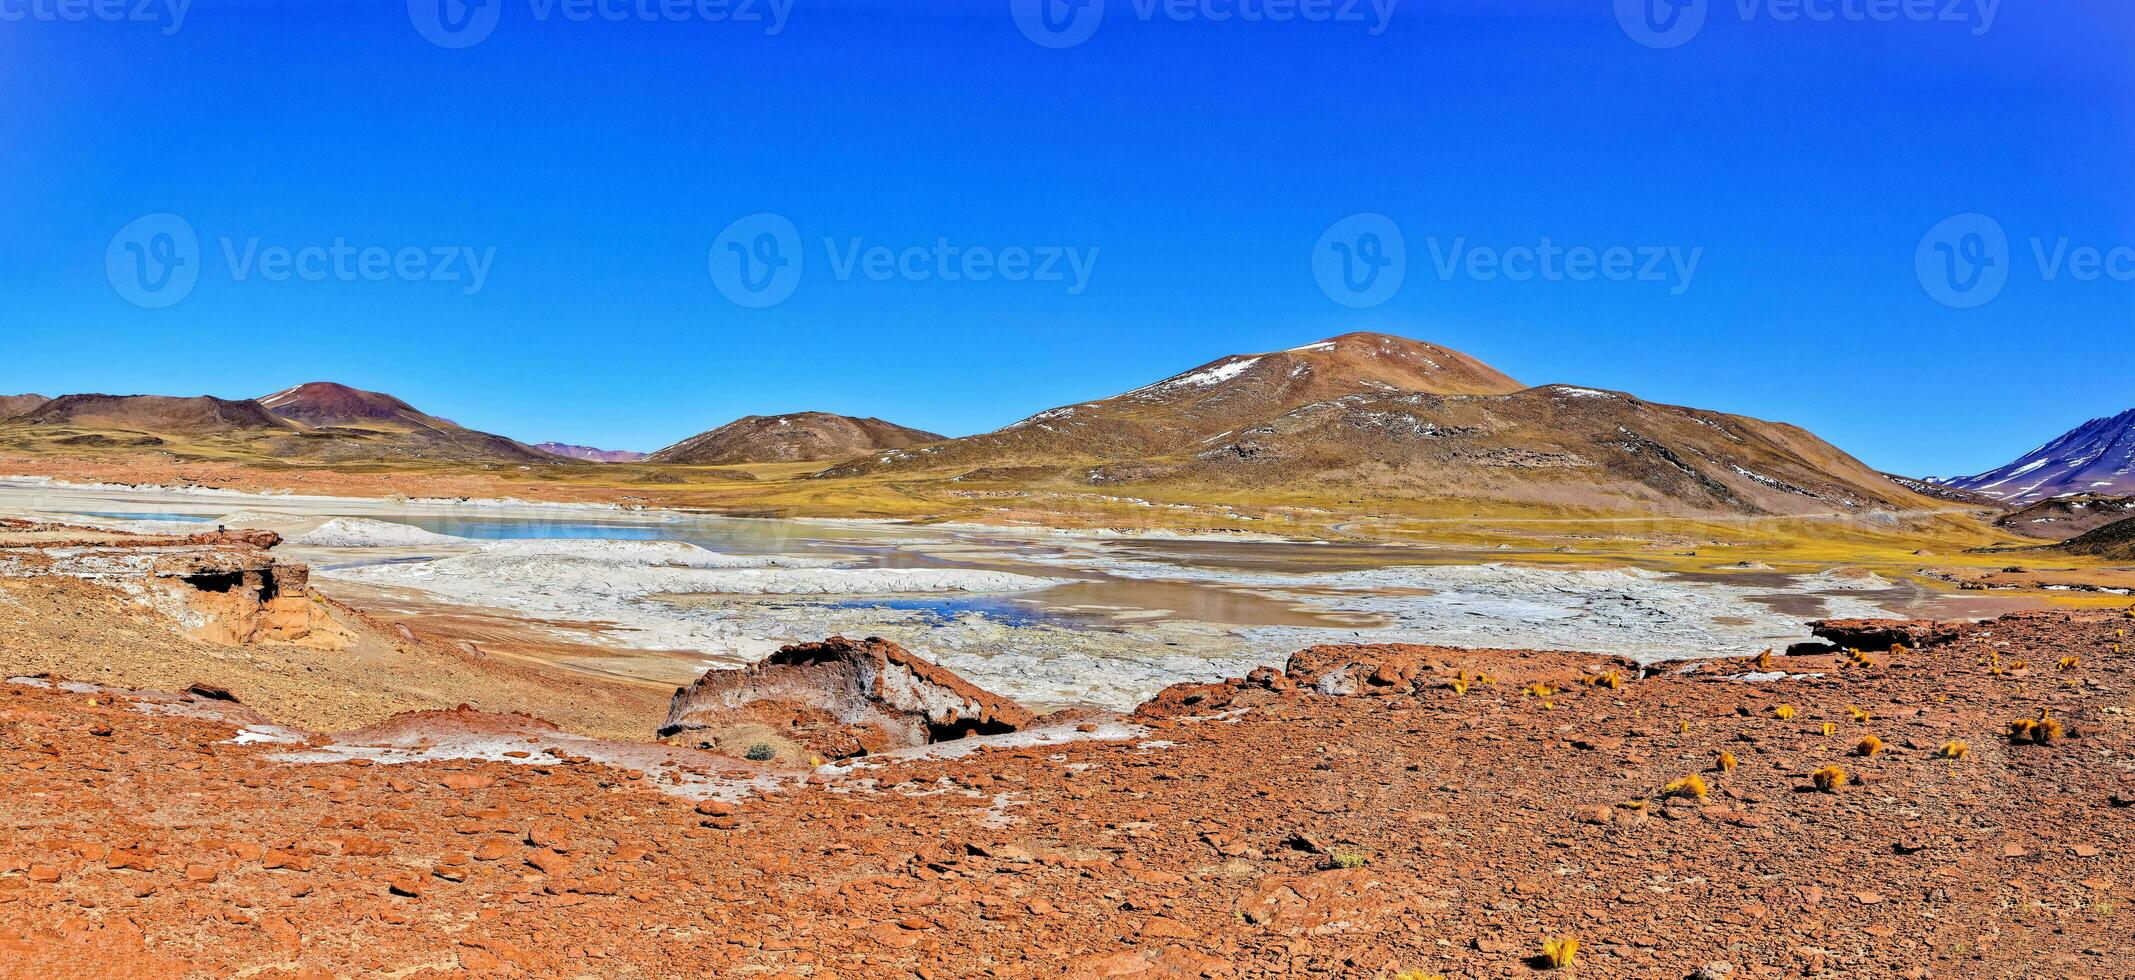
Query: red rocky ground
[(1260, 828)]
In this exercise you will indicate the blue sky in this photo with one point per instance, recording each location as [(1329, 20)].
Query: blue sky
[(1192, 164)]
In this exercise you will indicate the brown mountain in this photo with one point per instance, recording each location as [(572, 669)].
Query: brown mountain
[(804, 436), (153, 414), (1178, 413), (13, 405), (326, 403), (2061, 518), (340, 423), (1385, 417), (1556, 446)]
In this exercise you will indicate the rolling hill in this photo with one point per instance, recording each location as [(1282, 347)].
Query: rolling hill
[(13, 405), (2114, 542), (2097, 457), (1376, 416), (801, 437)]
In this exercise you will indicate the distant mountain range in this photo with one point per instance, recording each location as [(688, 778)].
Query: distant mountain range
[(319, 422), (588, 454), (800, 437), (1359, 418), (2097, 457)]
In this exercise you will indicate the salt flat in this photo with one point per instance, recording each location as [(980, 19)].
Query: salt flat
[(1009, 608)]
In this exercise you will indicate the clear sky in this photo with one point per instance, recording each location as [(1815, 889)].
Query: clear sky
[(592, 165)]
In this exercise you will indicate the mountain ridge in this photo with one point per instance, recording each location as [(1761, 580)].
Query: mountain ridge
[(589, 454), (2097, 457)]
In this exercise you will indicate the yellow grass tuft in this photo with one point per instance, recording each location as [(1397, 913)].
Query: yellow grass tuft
[(1539, 690), (1830, 779), (1611, 680), (1726, 763), (1869, 747), (2071, 663), (1861, 659), (1955, 751), (1858, 714), (1691, 787), (1560, 953), (1764, 660), (1418, 975), (2040, 732), (1830, 729), (1898, 650), (1784, 712), (1459, 683)]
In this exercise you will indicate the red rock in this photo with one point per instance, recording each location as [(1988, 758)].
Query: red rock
[(550, 862), (842, 698)]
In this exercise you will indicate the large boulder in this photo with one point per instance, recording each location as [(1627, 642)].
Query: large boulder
[(1874, 635), (834, 700)]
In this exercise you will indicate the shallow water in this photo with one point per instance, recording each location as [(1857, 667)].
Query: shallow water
[(140, 516)]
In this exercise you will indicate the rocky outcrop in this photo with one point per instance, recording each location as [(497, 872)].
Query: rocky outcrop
[(1881, 634), (222, 586), (834, 700)]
